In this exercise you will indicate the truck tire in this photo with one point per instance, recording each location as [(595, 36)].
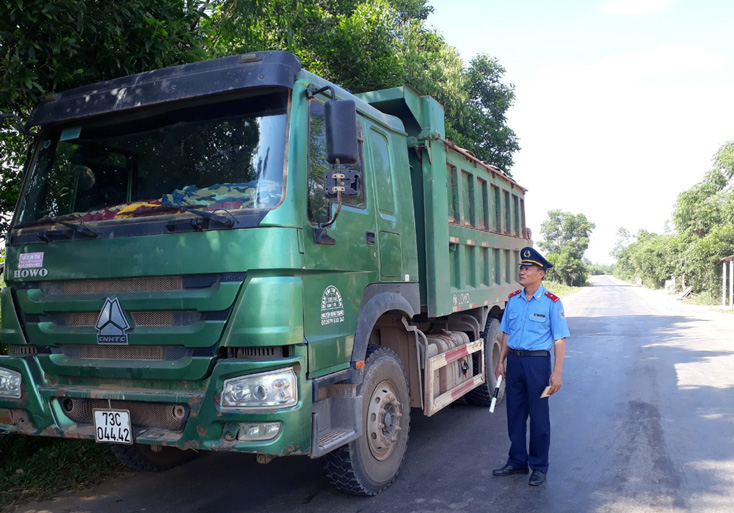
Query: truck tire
[(370, 464), (151, 458), (482, 395)]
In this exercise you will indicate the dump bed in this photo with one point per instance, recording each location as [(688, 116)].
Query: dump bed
[(470, 216)]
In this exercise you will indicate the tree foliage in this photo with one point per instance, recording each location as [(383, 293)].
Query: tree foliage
[(484, 125), (360, 44), (704, 234), (51, 46), (648, 256), (566, 239), (379, 44)]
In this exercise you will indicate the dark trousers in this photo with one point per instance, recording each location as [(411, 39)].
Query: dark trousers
[(527, 376)]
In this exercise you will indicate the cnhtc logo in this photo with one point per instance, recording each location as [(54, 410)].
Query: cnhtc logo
[(112, 324)]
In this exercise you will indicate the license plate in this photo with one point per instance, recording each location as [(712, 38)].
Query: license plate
[(113, 426)]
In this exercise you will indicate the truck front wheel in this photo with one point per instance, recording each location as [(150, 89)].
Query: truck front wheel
[(369, 464), (482, 395), (151, 458)]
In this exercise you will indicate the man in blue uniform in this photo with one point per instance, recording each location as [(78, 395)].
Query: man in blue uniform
[(533, 324)]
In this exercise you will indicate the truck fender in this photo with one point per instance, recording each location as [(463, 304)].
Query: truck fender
[(370, 312)]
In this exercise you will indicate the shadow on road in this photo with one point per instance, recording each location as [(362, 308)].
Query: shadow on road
[(647, 425)]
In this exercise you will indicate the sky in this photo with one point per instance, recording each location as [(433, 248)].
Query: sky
[(620, 104)]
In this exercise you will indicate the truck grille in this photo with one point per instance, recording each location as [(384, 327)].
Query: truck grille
[(256, 353), (149, 318), (22, 350), (113, 286), (142, 415), (136, 353)]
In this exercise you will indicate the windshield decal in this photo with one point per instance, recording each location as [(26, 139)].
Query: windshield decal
[(30, 260), (68, 134)]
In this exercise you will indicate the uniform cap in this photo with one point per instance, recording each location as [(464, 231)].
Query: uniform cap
[(530, 256)]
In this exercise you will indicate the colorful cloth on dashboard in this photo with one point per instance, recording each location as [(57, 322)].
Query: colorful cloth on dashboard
[(233, 195)]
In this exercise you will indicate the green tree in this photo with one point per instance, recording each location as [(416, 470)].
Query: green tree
[(704, 233), (704, 221), (724, 159), (699, 209), (482, 127), (648, 256), (624, 238), (380, 44), (566, 239), (52, 46)]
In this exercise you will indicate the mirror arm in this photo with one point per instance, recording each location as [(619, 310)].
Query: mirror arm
[(311, 91), (338, 209), (22, 129), (320, 235)]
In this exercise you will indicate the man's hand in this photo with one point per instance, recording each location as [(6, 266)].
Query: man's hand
[(555, 382), (555, 379), (500, 370)]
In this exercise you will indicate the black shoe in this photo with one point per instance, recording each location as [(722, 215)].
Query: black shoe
[(509, 470), (537, 478)]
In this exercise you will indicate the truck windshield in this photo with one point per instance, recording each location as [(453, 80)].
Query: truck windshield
[(226, 157)]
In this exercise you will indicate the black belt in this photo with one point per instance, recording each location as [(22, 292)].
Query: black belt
[(517, 352)]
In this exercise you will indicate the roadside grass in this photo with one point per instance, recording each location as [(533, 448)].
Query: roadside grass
[(34, 468), (713, 300), (702, 299), (560, 289)]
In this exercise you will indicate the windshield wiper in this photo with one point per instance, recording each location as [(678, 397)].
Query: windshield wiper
[(79, 228), (211, 216)]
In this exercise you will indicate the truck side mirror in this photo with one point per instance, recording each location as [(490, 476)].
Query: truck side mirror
[(341, 132)]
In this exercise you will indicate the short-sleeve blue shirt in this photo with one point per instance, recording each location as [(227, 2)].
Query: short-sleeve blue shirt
[(533, 325)]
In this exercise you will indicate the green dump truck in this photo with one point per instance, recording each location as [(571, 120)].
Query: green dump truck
[(236, 255)]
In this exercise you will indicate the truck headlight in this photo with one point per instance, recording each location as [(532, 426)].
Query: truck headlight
[(276, 389), (9, 384)]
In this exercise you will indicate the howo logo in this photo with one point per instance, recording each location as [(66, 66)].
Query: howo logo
[(30, 273), (112, 324)]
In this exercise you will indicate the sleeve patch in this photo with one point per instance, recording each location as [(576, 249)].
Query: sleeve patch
[(553, 297)]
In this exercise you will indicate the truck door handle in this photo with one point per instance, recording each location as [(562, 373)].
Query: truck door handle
[(370, 238)]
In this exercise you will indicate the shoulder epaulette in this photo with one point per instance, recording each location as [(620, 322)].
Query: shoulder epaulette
[(514, 293), (553, 297)]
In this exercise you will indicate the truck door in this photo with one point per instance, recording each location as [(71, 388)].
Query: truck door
[(389, 238), (338, 270)]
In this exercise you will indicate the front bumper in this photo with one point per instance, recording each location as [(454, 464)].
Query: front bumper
[(44, 408)]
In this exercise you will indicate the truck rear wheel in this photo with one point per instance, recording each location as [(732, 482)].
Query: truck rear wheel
[(151, 458), (369, 464), (482, 395)]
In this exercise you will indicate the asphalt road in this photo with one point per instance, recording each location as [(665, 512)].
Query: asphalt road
[(643, 423)]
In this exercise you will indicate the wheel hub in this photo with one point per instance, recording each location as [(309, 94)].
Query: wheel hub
[(383, 420)]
